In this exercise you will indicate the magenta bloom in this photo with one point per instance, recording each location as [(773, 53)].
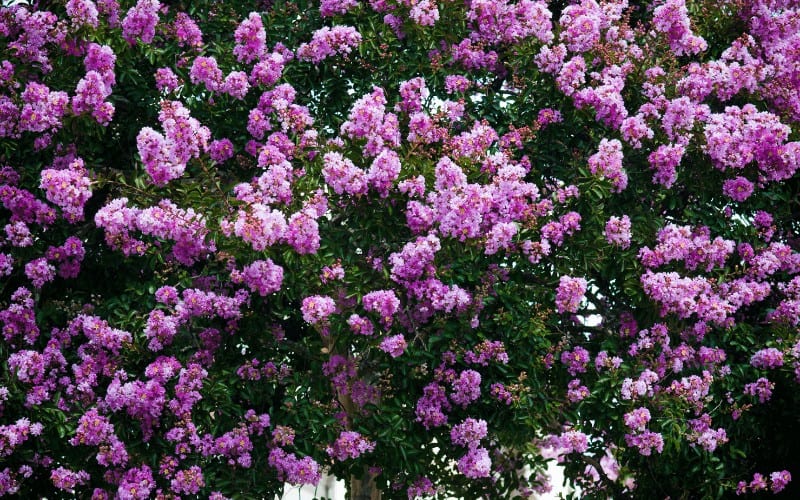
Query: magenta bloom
[(476, 463), (767, 358), (349, 444), (469, 432), (394, 345), (140, 21), (738, 189), (569, 294), (618, 231), (317, 308), (327, 42)]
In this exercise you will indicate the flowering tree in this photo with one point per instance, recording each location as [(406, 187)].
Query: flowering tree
[(425, 246)]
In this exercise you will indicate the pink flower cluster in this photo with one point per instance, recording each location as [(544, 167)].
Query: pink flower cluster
[(506, 22), (394, 345), (575, 360), (607, 164), (569, 294), (349, 444), (702, 434), (368, 119), (327, 42), (165, 156), (476, 463), (262, 276), (185, 227), (618, 231), (251, 39), (140, 22), (317, 308), (778, 481), (692, 246), (294, 470), (672, 19), (68, 189), (739, 136)]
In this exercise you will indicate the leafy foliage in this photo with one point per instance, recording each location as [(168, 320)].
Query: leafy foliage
[(436, 245)]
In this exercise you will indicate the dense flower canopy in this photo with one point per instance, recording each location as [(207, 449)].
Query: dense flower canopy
[(428, 246)]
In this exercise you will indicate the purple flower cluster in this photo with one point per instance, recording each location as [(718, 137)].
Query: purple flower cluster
[(768, 358), (576, 392), (262, 276), (294, 470), (635, 389), (575, 360), (645, 442), (569, 294), (394, 345), (618, 231), (466, 388), (665, 160), (343, 176), (185, 227), (330, 8), (637, 419), (327, 42), (140, 22), (368, 119), (555, 231), (778, 481), (702, 434), (672, 19), (607, 164), (507, 22), (317, 308), (68, 189), (431, 407), (693, 246), (476, 463), (206, 71), (488, 350), (762, 388), (251, 39), (67, 480), (738, 189), (82, 13), (349, 444), (383, 302), (165, 156), (740, 136), (469, 433)]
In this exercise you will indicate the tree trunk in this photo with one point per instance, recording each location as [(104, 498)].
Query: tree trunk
[(363, 488)]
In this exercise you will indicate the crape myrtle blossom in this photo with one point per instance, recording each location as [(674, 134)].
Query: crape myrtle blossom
[(140, 22), (569, 294), (262, 276), (165, 155), (68, 189), (618, 231), (186, 228), (476, 463), (186, 31), (251, 39), (330, 8), (394, 345), (469, 433), (349, 444), (317, 308), (206, 71), (327, 42), (82, 12)]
